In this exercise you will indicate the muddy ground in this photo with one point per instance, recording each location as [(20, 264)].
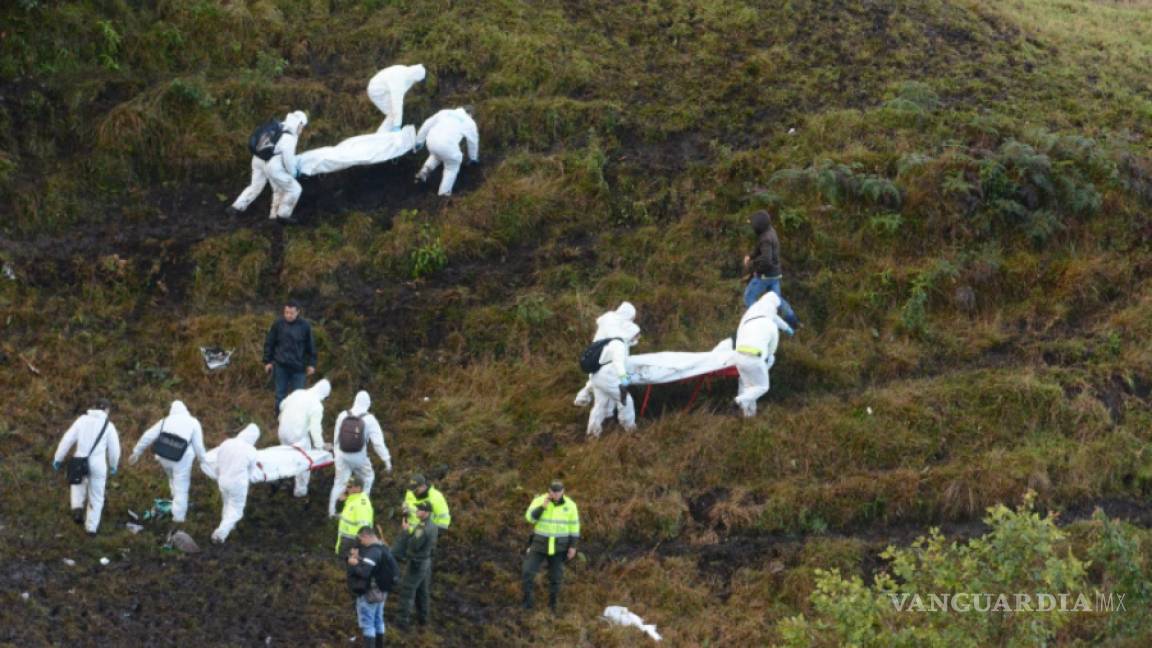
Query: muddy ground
[(272, 582)]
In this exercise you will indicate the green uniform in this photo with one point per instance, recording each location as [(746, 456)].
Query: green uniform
[(357, 512), (556, 528), (441, 517), (421, 543)]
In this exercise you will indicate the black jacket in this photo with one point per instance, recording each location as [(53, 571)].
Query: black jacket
[(290, 345), (766, 256), (376, 562)]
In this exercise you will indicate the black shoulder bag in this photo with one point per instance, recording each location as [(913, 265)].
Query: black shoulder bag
[(169, 446), (78, 466)]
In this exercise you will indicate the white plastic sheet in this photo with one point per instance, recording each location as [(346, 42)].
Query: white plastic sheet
[(622, 616), (671, 366), (278, 462), (361, 150)]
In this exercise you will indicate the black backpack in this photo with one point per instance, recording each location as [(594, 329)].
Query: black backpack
[(263, 141), (590, 358), (351, 437), (168, 445)]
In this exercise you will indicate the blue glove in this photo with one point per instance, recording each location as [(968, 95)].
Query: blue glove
[(112, 472), (396, 129), (625, 381), (56, 466)]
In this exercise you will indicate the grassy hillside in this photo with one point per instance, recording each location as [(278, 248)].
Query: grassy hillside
[(962, 189)]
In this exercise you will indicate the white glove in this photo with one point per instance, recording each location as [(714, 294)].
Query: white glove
[(388, 467), (133, 459)]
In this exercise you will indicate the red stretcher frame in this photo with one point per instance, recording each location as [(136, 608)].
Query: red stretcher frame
[(701, 381)]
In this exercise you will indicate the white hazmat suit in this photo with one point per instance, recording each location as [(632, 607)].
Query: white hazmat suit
[(358, 463), (608, 384), (281, 171), (756, 341), (182, 424), (442, 133), (606, 323), (387, 89), (301, 424), (103, 458), (235, 459)]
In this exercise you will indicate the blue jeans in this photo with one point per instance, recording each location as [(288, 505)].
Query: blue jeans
[(287, 381), (759, 286), (370, 616)]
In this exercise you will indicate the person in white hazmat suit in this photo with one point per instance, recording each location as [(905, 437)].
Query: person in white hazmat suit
[(94, 436), (756, 341), (235, 460), (357, 463), (609, 384), (387, 89), (180, 423), (612, 320), (280, 170), (442, 133), (301, 424)]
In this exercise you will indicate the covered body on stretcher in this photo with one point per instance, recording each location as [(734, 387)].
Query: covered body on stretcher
[(361, 150), (277, 462), (674, 366)]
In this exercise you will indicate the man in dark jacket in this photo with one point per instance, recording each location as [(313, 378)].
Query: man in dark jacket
[(764, 266), (289, 352), (371, 574)]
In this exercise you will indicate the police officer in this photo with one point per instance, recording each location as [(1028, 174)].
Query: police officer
[(421, 543), (420, 491), (556, 530), (355, 513)]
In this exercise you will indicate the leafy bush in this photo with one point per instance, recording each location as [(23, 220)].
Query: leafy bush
[(430, 256), (1023, 553)]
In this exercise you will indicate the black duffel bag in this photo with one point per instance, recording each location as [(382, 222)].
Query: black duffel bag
[(78, 469), (169, 446)]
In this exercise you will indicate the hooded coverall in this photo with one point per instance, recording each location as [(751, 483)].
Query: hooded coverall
[(443, 132), (357, 463), (181, 423), (756, 341), (103, 457), (301, 421), (234, 462)]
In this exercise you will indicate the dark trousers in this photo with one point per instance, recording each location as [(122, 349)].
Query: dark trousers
[(532, 563), (414, 589), (287, 381)]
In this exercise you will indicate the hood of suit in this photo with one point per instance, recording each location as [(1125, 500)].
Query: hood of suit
[(249, 434), (766, 306), (295, 122), (362, 403), (178, 409), (618, 323), (321, 389)]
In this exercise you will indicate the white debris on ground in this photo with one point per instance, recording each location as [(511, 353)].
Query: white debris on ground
[(622, 616)]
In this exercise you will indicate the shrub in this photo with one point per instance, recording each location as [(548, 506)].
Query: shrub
[(1022, 553)]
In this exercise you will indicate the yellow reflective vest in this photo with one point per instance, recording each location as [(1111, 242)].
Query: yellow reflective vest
[(357, 513), (441, 517), (558, 527)]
